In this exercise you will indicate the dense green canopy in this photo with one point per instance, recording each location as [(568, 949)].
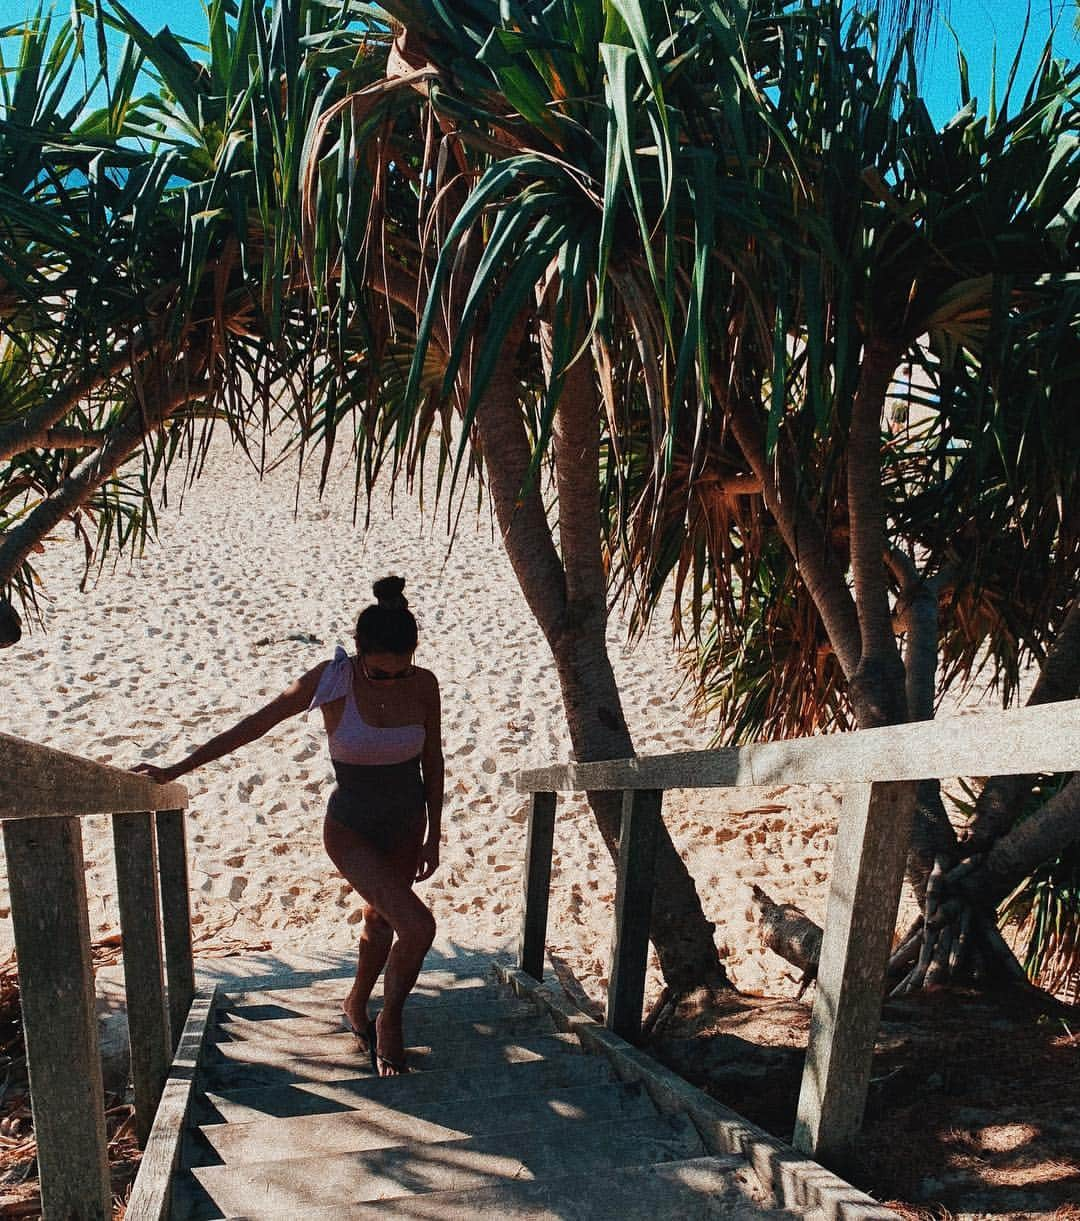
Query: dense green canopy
[(825, 351)]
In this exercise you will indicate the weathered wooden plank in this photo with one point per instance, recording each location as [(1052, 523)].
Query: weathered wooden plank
[(47, 881), (175, 917), (1044, 738), (151, 1193), (633, 911), (40, 782), (144, 986), (792, 1181), (867, 872), (537, 884)]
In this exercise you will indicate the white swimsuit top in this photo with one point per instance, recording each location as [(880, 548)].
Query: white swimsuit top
[(354, 740)]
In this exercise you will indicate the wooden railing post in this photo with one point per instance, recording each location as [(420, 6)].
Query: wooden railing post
[(144, 987), (537, 884), (633, 911), (867, 872), (47, 882), (175, 919)]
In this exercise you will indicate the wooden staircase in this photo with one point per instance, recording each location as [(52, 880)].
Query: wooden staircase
[(503, 1115)]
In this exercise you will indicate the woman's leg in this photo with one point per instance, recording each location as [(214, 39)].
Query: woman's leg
[(384, 880), (375, 938)]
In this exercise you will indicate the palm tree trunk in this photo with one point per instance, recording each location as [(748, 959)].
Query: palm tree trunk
[(569, 599)]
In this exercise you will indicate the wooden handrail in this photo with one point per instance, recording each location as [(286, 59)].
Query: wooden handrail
[(41, 782), (43, 795), (1042, 738), (879, 768)]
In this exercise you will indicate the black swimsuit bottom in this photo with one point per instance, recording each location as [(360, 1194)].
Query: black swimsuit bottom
[(383, 802)]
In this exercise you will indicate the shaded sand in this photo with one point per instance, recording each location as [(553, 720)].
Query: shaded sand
[(239, 597)]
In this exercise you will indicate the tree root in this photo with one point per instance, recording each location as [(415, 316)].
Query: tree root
[(956, 942)]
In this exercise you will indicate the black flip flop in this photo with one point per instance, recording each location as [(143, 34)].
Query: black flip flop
[(367, 1038), (398, 1065), (373, 1045)]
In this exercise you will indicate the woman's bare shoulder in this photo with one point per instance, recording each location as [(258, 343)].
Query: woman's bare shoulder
[(426, 681)]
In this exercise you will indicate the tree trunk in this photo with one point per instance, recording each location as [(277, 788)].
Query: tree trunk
[(878, 684), (1059, 679), (30, 429), (932, 835), (568, 598), (1049, 832)]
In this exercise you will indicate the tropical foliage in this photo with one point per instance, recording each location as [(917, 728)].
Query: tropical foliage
[(671, 261)]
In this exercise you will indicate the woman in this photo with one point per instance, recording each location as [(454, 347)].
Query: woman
[(382, 826)]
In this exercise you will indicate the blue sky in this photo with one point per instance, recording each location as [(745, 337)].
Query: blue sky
[(978, 23)]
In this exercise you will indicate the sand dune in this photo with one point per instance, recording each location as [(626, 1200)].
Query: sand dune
[(240, 596)]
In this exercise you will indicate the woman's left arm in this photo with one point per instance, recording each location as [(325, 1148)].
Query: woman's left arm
[(433, 769)]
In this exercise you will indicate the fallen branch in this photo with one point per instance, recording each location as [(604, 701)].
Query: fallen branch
[(789, 932)]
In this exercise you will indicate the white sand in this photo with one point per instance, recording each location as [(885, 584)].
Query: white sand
[(164, 652)]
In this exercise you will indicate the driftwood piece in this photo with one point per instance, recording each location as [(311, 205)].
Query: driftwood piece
[(789, 932)]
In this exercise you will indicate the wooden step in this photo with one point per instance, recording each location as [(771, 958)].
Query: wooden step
[(247, 1022), (697, 1189), (236, 1065), (269, 1045), (378, 1125), (492, 1085), (298, 1185), (328, 993), (445, 1037)]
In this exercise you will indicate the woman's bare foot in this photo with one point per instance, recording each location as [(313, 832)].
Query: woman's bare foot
[(391, 1040)]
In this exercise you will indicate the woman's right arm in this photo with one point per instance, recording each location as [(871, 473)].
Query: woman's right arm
[(294, 699)]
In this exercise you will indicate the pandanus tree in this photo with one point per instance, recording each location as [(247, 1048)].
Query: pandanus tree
[(514, 130), (806, 514), (139, 234), (233, 132), (663, 263)]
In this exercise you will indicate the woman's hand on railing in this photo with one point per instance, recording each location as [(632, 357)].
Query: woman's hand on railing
[(163, 775)]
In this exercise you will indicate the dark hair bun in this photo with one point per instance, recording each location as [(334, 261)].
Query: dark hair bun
[(389, 593)]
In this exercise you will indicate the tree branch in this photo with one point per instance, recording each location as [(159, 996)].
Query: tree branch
[(998, 804), (802, 534), (31, 429), (124, 439), (1045, 835)]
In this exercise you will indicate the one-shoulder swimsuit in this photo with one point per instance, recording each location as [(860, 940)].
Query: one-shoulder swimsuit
[(380, 789)]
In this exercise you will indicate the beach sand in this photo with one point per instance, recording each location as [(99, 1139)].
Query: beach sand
[(240, 595)]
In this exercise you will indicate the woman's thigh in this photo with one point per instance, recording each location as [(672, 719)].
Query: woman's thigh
[(382, 877)]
